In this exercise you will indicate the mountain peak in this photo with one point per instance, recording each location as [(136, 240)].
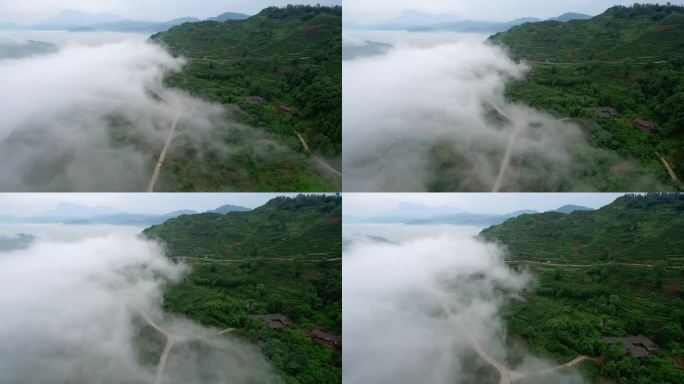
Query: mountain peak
[(419, 18), (571, 16), (72, 210), (71, 17), (569, 208), (230, 208), (229, 16)]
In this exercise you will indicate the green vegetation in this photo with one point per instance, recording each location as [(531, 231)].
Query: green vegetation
[(283, 257), (288, 56), (282, 68), (616, 271), (630, 59)]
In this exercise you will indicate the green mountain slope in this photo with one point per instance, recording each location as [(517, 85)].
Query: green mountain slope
[(630, 59), (283, 257), (288, 56), (632, 229), (616, 271)]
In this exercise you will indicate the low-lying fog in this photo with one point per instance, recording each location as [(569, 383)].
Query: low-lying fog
[(73, 302), (422, 305), (426, 111), (65, 38), (91, 113)]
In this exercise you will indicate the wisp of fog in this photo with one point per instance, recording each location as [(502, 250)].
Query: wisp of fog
[(94, 117), (73, 312), (429, 113), (427, 310)]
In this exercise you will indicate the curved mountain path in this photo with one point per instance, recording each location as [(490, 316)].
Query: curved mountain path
[(554, 264), (317, 159), (170, 342), (260, 258), (509, 376), (506, 375), (670, 171), (505, 162), (162, 155)]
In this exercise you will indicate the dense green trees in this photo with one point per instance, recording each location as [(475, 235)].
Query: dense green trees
[(296, 271), (628, 58), (615, 272), (290, 55)]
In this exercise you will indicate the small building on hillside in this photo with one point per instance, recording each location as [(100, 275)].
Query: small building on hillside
[(644, 125), (606, 112), (256, 100), (636, 346), (274, 320), (287, 110), (324, 339)]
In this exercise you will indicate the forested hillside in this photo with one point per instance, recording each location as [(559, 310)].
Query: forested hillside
[(282, 258), (634, 228), (613, 272), (628, 61), (282, 66)]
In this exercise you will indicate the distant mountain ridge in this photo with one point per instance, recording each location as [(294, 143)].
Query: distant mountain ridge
[(366, 49), (68, 213), (73, 18), (411, 213), (417, 211), (570, 208), (29, 48), (229, 16), (417, 21), (571, 16), (78, 21), (230, 208), (471, 218)]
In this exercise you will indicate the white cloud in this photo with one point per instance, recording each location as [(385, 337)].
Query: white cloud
[(94, 117), (435, 301), (421, 117), (72, 312)]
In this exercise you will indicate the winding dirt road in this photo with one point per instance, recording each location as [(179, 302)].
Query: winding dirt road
[(261, 258), (569, 364), (509, 376), (552, 264), (316, 158), (505, 162), (170, 342), (506, 375), (673, 175), (162, 155)]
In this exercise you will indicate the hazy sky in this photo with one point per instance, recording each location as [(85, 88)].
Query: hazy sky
[(370, 204), (379, 10), (36, 10), (21, 204)]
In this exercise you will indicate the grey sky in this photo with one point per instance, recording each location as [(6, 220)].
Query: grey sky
[(365, 11), (370, 204), (29, 11), (26, 204)]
